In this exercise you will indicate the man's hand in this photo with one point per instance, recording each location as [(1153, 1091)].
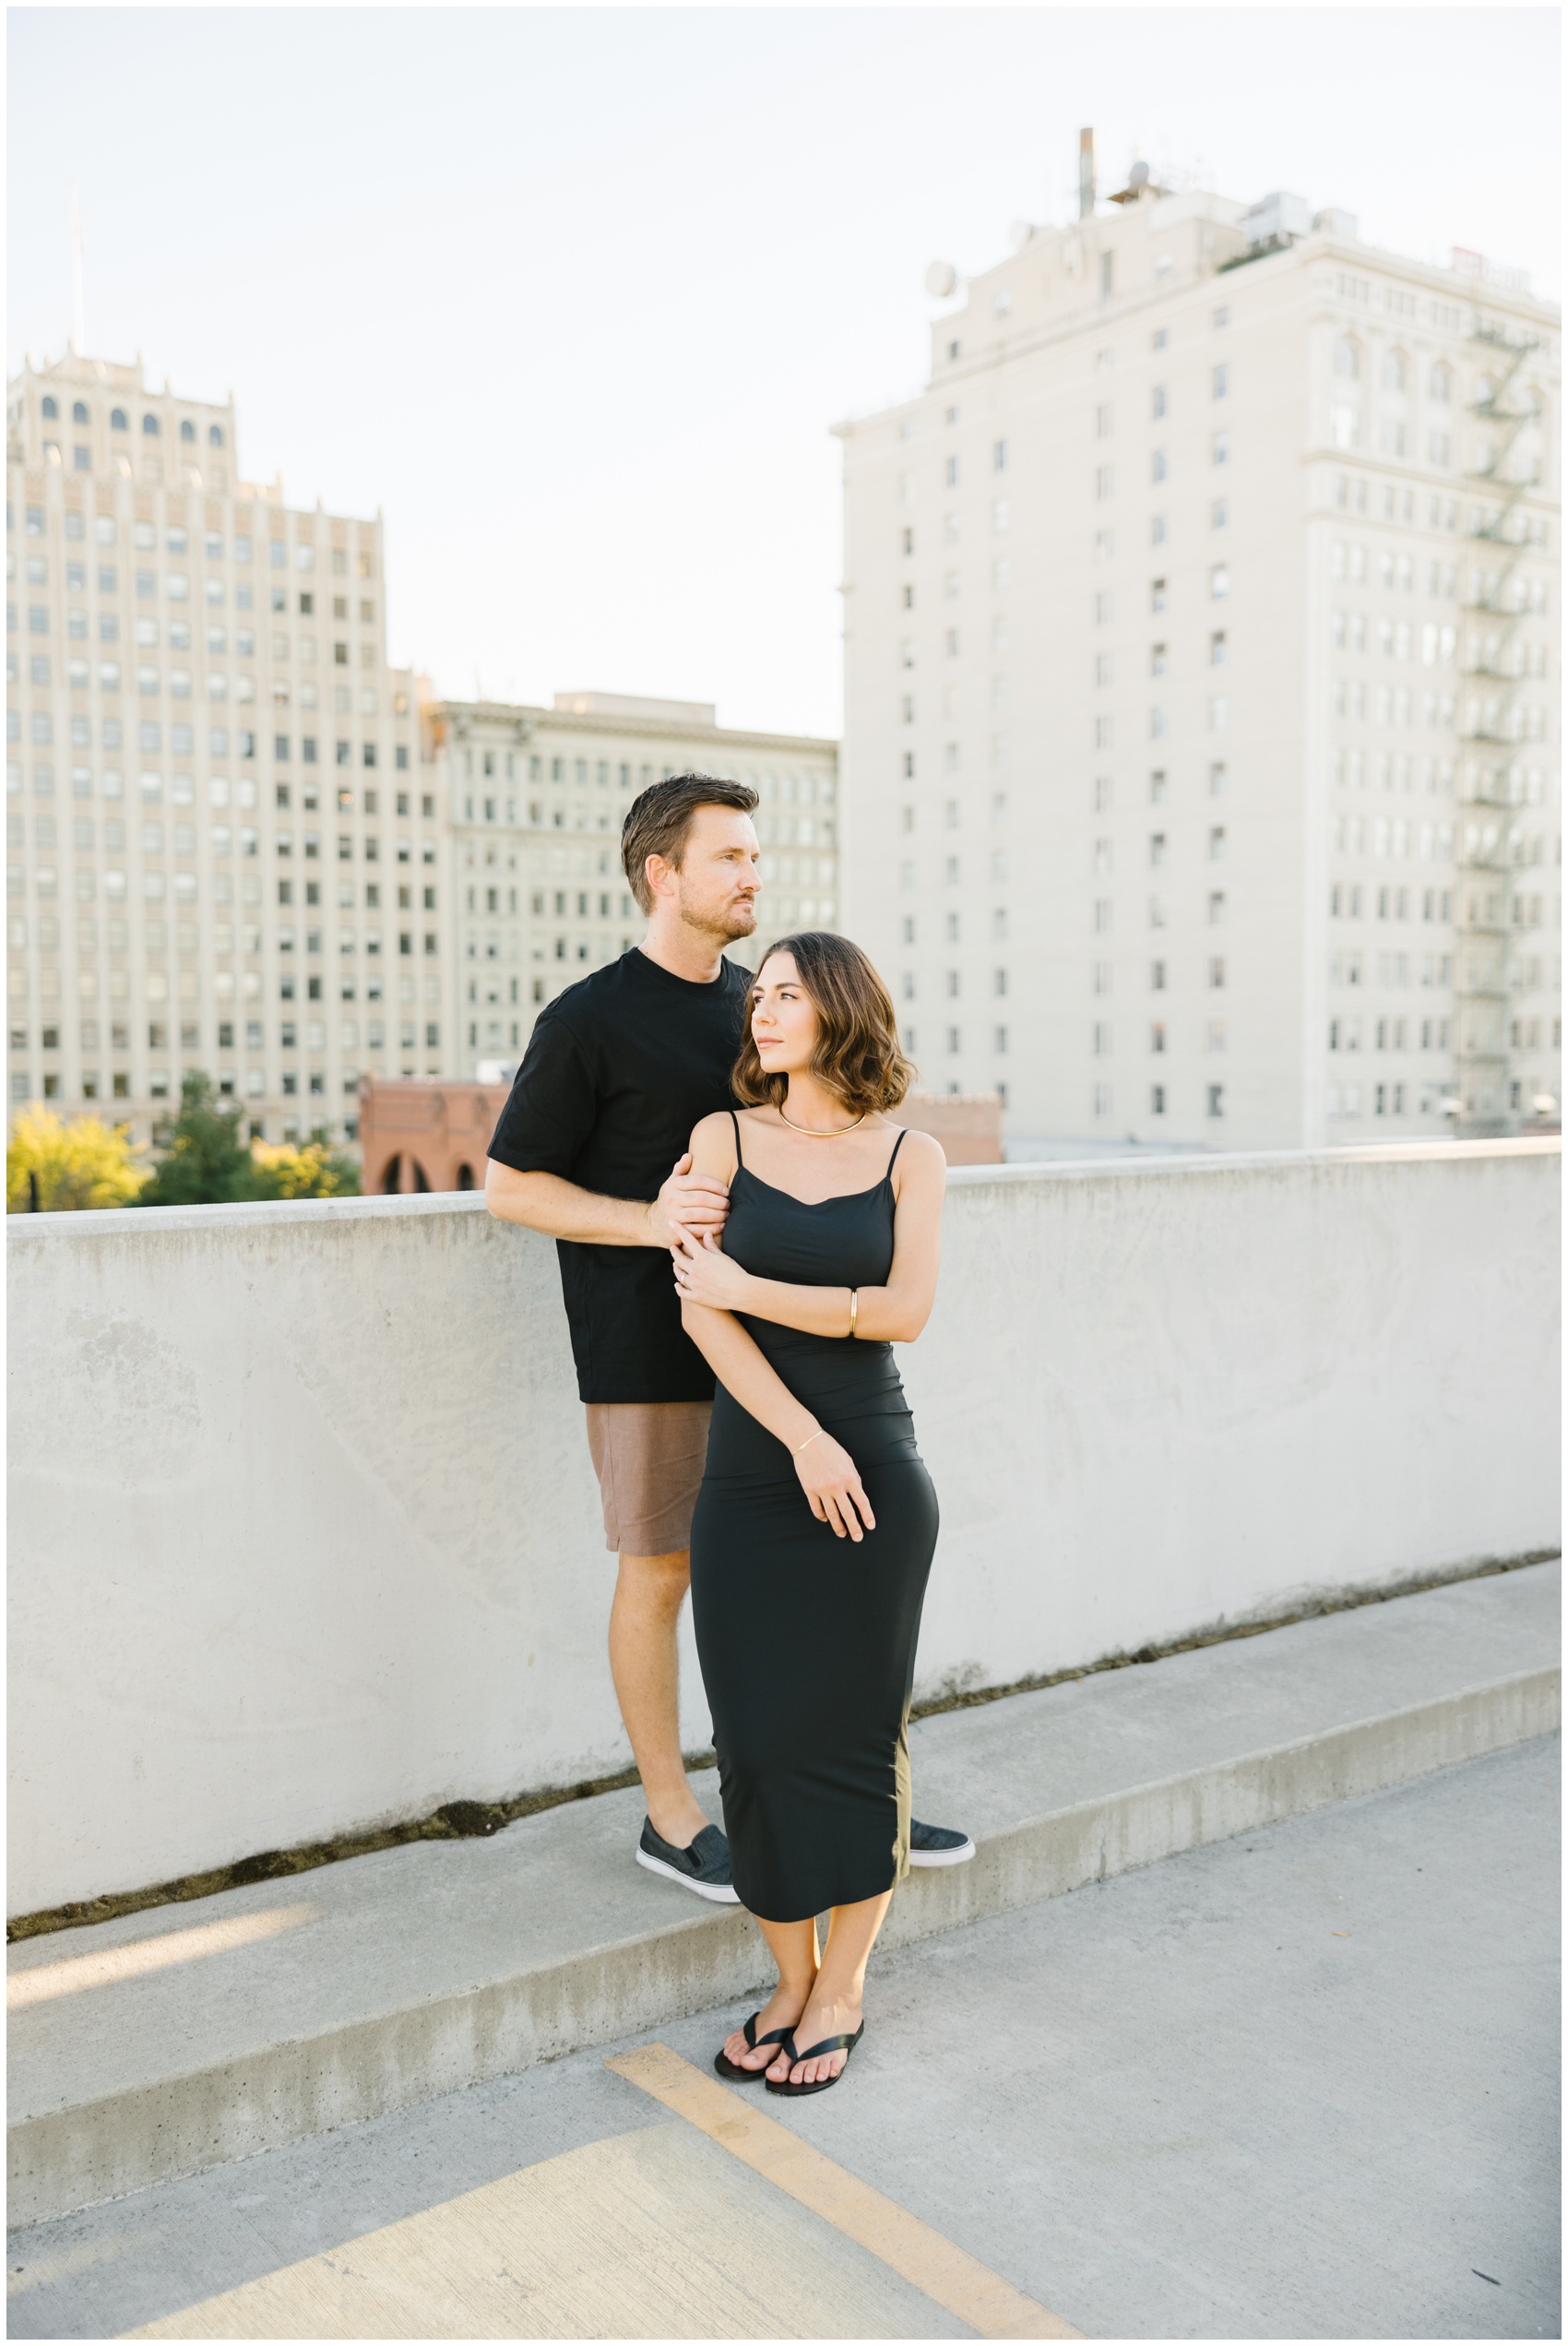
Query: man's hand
[(688, 1201)]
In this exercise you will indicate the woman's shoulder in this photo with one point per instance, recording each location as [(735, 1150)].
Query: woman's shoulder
[(713, 1143), (921, 1152)]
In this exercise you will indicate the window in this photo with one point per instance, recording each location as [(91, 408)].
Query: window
[(950, 472), (150, 427), (51, 410), (1217, 649), (1156, 466), (1220, 450), (999, 456), (1219, 515), (1221, 382), (215, 435), (1104, 422), (1107, 273), (187, 429), (1395, 373), (1219, 581), (1158, 401), (1217, 1099), (1347, 359), (1440, 383)]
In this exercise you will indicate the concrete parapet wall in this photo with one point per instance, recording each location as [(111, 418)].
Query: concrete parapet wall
[(304, 1536)]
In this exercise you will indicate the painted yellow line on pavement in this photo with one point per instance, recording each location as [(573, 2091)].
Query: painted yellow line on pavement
[(649, 2235), (958, 2282), (41, 1982)]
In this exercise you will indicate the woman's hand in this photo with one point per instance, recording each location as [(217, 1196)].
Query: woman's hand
[(704, 1275), (832, 1484)]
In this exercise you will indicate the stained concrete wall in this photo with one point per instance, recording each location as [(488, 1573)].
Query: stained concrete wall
[(304, 1534)]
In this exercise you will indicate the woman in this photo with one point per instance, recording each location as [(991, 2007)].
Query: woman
[(817, 1520)]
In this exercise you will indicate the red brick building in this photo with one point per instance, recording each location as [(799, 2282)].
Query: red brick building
[(425, 1136), (434, 1135)]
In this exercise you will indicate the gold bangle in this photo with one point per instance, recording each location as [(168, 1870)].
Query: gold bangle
[(854, 1307), (807, 1443)]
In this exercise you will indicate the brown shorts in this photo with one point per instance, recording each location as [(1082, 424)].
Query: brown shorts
[(648, 1457)]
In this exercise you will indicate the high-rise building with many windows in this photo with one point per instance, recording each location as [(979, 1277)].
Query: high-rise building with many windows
[(1201, 735), (223, 852), (536, 797)]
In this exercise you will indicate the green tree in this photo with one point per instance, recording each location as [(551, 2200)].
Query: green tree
[(73, 1166), (316, 1170), (206, 1164)]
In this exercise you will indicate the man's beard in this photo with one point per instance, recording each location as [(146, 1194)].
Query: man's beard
[(735, 921)]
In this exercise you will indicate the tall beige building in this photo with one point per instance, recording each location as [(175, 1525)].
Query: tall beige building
[(536, 797), (223, 852), (1201, 762)]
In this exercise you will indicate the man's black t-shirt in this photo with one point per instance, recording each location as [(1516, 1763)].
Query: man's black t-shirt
[(617, 1072)]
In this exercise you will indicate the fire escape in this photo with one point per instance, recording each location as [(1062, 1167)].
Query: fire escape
[(1486, 830)]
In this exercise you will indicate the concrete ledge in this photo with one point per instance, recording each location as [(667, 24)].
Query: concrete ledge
[(426, 1969), (1130, 1449)]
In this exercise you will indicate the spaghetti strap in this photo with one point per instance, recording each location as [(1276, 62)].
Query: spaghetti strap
[(894, 1159), (739, 1161)]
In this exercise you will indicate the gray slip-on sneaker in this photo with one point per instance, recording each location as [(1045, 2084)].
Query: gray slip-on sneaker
[(704, 1867), (938, 1845)]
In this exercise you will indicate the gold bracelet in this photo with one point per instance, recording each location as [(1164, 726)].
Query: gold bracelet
[(807, 1443), (854, 1307)]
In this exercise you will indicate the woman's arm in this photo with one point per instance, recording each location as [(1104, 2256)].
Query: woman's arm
[(827, 1472), (895, 1313)]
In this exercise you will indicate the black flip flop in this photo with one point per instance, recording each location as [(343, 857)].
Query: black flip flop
[(749, 2076), (828, 2044)]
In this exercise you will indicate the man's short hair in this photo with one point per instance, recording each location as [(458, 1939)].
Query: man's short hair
[(660, 817)]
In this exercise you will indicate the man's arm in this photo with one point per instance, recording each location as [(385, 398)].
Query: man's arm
[(547, 1202)]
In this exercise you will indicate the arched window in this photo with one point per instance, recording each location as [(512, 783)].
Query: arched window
[(118, 419), (1441, 385), (150, 426), (80, 413), (215, 435), (465, 1176), (391, 1180), (1394, 371), (1347, 359), (51, 410), (187, 429)]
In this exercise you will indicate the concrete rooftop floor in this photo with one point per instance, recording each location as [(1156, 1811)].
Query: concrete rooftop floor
[(1301, 2084)]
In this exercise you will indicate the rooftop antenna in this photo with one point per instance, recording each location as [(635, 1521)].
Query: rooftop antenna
[(1085, 174), (78, 321)]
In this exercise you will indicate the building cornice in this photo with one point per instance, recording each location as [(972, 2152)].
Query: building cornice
[(526, 721)]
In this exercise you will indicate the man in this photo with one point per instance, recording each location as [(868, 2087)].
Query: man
[(618, 1070)]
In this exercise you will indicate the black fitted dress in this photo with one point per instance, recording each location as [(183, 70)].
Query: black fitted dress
[(807, 1639)]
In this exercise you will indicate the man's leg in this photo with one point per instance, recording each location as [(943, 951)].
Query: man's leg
[(649, 1592)]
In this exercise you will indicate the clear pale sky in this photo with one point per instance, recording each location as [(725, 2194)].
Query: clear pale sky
[(573, 295)]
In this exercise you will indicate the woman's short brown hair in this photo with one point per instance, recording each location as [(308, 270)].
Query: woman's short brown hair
[(856, 1051)]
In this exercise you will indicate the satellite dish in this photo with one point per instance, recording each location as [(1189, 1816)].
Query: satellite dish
[(1019, 234), (941, 278)]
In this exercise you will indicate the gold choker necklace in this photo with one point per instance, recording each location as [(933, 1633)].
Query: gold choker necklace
[(808, 1134)]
